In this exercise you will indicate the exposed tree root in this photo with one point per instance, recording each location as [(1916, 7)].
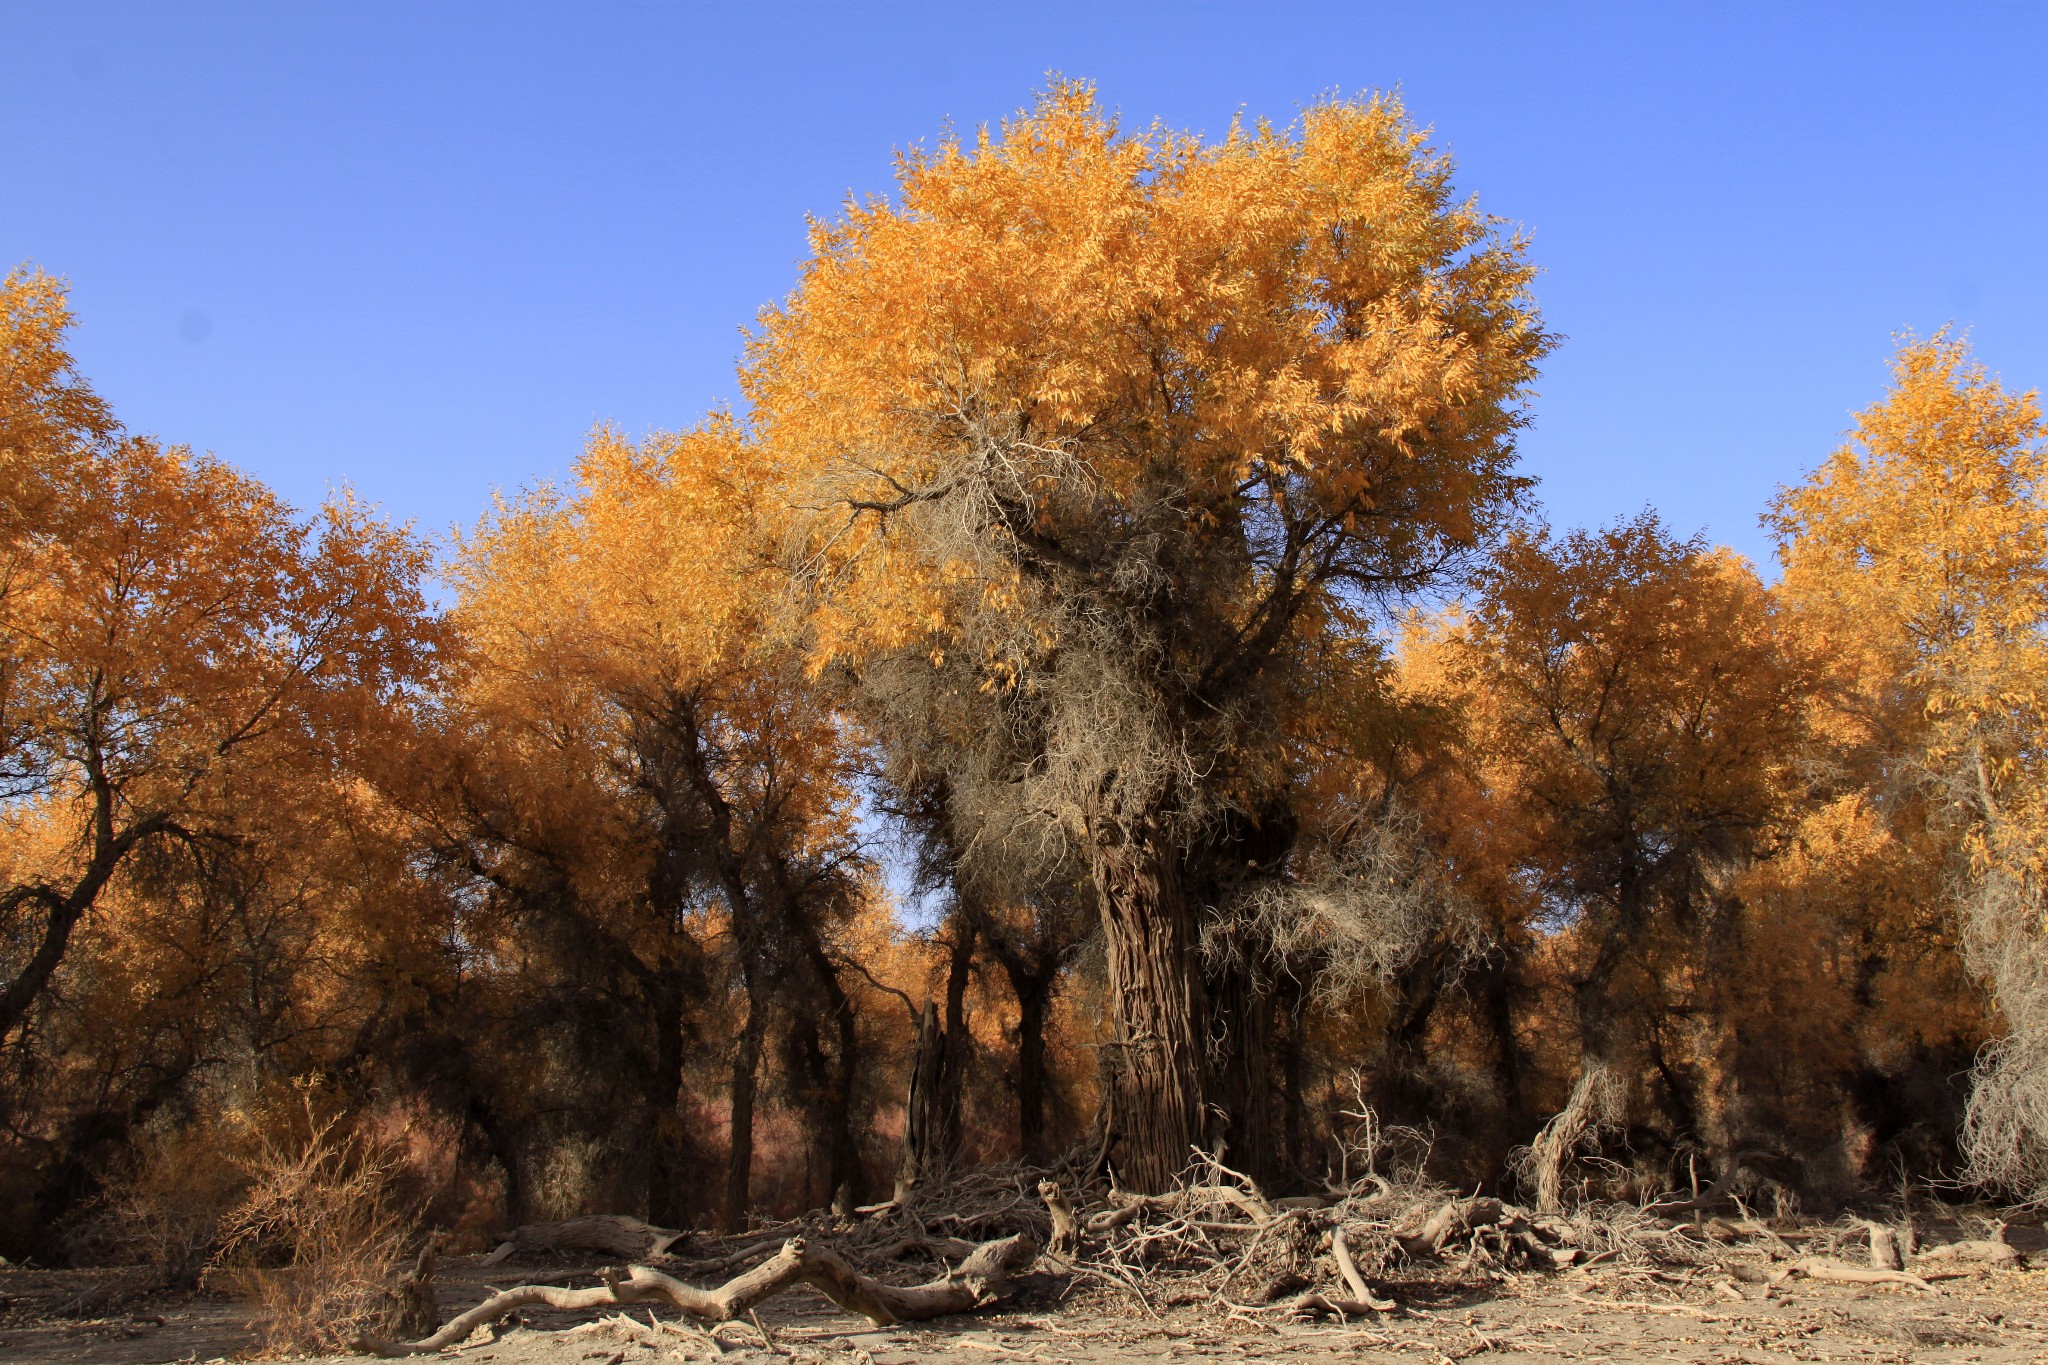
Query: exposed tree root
[(982, 1276), (1362, 1298)]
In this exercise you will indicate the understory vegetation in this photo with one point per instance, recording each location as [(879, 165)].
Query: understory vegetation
[(1104, 707)]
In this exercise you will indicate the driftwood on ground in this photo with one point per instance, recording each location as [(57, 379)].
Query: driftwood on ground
[(980, 1277), (1218, 1239)]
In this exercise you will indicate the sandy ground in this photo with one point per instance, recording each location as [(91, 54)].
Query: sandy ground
[(96, 1318)]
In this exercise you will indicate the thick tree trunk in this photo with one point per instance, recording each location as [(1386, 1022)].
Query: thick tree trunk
[(1497, 993), (842, 1154), (1157, 1083), (823, 1080), (1290, 1064), (739, 1163)]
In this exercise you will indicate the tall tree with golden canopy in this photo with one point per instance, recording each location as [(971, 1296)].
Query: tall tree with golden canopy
[(1917, 557), (1101, 431)]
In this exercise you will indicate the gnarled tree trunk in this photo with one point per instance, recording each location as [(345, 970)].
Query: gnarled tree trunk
[(1157, 1082), (924, 1116)]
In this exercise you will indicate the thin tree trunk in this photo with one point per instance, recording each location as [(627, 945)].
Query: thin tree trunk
[(739, 1163), (1157, 1088), (956, 1048), (923, 1110), (62, 910)]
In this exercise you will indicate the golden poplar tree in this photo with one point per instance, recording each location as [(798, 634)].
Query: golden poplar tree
[(1633, 708), (1916, 557), (169, 631), (1099, 431)]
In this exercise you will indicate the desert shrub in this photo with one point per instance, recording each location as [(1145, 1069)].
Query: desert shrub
[(320, 1235)]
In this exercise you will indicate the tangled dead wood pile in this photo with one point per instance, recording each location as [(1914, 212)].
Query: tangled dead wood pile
[(1218, 1242), (1363, 1248)]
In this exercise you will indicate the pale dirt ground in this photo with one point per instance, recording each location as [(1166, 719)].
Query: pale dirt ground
[(1997, 1316)]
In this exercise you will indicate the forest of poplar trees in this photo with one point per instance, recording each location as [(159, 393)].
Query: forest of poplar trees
[(1104, 697)]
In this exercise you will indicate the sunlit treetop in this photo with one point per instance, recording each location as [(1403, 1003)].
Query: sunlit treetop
[(1301, 337)]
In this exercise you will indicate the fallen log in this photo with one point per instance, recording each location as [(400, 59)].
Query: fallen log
[(1818, 1268), (981, 1277), (605, 1234)]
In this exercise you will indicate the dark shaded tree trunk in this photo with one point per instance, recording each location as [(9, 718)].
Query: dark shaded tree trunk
[(1156, 1093), (1240, 1047), (924, 1117), (825, 1081), (1496, 994), (1034, 997), (669, 1189), (739, 1161), (1291, 1064), (957, 1047), (843, 1155)]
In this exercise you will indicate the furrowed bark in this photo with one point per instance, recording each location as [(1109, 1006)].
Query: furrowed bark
[(1157, 1090)]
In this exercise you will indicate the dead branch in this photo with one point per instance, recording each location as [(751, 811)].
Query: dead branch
[(1716, 1192), (982, 1276), (1820, 1268), (1193, 1199), (1455, 1218), (719, 1265), (1362, 1298)]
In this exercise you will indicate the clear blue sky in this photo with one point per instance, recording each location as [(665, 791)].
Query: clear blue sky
[(422, 248)]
